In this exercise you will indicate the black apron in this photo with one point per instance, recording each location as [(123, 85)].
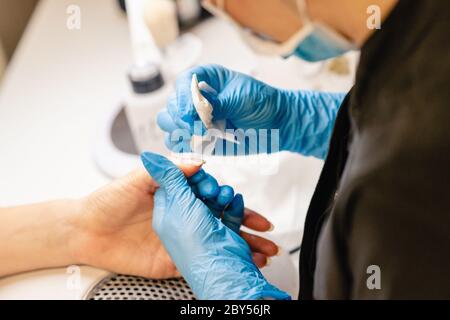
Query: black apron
[(383, 197)]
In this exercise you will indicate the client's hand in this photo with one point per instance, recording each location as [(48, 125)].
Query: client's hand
[(114, 227)]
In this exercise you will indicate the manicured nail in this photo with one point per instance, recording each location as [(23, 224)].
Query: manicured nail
[(188, 159), (279, 252)]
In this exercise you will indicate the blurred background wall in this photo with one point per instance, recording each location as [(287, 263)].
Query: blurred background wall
[(2, 59), (14, 16)]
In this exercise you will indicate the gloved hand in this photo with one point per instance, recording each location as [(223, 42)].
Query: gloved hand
[(219, 199), (214, 260), (229, 208), (305, 119)]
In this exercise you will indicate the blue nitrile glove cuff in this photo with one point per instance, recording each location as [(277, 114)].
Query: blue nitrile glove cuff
[(309, 121)]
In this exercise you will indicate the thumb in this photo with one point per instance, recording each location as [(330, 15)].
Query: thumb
[(166, 174), (174, 195)]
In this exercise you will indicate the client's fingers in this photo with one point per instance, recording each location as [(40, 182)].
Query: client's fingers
[(260, 260), (255, 221), (260, 245)]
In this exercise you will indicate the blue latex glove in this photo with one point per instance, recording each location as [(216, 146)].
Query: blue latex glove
[(221, 200), (214, 260), (305, 118)]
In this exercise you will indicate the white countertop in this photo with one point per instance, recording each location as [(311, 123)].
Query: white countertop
[(56, 87), (61, 82)]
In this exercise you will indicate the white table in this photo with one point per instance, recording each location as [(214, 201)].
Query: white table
[(57, 87)]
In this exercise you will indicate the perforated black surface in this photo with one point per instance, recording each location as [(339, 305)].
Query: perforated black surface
[(122, 287)]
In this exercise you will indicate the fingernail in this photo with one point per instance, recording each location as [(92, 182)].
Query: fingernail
[(279, 252), (191, 159), (268, 261), (271, 228)]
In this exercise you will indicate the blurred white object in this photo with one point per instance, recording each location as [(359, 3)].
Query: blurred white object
[(178, 52), (110, 157), (225, 47), (279, 185), (155, 37), (189, 11), (144, 46), (148, 95), (152, 24), (69, 283), (181, 54), (282, 274), (160, 17)]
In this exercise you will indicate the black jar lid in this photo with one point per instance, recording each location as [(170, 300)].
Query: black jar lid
[(145, 79)]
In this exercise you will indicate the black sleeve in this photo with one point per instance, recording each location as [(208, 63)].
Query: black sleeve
[(392, 210), (402, 228), (397, 218)]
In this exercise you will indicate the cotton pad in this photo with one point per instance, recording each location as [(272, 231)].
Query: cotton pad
[(201, 104), (205, 144)]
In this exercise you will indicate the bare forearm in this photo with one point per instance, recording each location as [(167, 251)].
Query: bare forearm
[(37, 236)]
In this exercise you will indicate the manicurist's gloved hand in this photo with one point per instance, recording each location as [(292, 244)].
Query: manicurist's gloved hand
[(305, 118), (214, 259), (221, 200)]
